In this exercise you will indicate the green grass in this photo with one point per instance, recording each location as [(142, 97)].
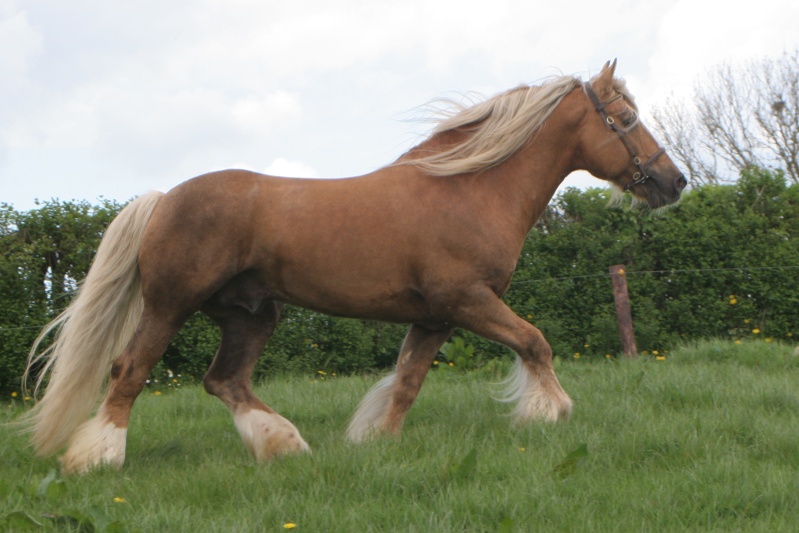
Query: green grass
[(703, 441)]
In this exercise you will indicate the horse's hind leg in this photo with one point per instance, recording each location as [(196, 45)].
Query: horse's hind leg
[(385, 406), (244, 334), (102, 439)]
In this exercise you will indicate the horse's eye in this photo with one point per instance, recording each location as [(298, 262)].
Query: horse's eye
[(627, 122)]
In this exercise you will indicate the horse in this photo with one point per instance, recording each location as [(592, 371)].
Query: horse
[(430, 240)]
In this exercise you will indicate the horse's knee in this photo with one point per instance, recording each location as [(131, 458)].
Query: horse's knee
[(212, 385)]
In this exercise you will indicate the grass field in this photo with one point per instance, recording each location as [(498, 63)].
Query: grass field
[(703, 441)]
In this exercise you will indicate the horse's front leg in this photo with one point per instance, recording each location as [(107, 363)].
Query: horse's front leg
[(533, 384), (384, 408)]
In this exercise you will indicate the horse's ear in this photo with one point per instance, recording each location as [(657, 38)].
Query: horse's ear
[(603, 82), (610, 66)]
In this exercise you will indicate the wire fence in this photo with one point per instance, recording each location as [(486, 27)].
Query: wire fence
[(671, 271), (628, 273)]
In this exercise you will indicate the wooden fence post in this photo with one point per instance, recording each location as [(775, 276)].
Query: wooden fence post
[(625, 319)]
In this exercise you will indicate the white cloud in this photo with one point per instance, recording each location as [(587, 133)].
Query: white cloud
[(696, 35), (255, 113), (290, 169), (163, 92), (19, 43)]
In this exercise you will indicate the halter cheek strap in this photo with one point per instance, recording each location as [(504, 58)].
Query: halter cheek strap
[(643, 168)]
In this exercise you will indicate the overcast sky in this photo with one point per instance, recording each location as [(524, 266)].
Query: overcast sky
[(111, 99)]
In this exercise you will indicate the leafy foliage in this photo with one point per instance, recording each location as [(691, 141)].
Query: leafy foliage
[(461, 355), (722, 263), (570, 463), (43, 254)]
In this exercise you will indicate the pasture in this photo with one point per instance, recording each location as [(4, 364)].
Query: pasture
[(705, 440)]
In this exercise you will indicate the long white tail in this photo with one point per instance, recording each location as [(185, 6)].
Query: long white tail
[(91, 332)]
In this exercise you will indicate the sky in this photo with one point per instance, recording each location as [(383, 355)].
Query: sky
[(112, 99)]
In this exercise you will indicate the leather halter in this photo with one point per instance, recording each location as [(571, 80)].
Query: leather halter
[(643, 168)]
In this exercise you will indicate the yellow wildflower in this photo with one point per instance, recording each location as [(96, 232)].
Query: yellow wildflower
[(14, 394), (577, 355), (157, 393), (289, 525), (660, 358), (756, 331), (117, 499)]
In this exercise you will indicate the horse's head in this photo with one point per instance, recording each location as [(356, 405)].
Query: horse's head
[(618, 148)]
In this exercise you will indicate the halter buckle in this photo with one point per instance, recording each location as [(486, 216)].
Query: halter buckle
[(643, 169)]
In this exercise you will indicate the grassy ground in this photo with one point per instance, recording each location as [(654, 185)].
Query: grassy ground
[(703, 441)]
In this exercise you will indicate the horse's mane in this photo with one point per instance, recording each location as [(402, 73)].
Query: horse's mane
[(495, 128)]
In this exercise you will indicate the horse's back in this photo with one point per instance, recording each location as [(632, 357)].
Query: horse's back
[(333, 245)]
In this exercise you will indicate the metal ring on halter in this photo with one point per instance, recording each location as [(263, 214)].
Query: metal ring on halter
[(638, 179), (643, 170)]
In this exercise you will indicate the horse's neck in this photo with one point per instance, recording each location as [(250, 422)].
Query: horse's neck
[(529, 178)]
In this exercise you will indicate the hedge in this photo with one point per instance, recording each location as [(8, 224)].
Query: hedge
[(721, 263)]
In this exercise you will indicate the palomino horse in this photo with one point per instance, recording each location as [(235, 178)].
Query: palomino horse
[(430, 240)]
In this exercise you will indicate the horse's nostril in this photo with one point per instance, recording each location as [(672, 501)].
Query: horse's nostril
[(681, 183)]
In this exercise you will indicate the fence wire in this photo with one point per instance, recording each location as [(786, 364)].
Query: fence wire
[(671, 271), (627, 273)]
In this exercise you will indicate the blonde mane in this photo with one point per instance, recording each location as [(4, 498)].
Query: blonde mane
[(495, 128)]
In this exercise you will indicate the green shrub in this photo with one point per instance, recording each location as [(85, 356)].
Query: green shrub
[(720, 264)]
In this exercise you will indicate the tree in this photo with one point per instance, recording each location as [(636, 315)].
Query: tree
[(44, 253), (740, 117), (59, 240)]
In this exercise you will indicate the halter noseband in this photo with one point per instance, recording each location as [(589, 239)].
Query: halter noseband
[(643, 168)]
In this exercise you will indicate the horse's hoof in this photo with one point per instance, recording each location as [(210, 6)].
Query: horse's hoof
[(268, 435)]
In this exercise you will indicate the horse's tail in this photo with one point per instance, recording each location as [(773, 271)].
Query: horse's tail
[(91, 332)]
